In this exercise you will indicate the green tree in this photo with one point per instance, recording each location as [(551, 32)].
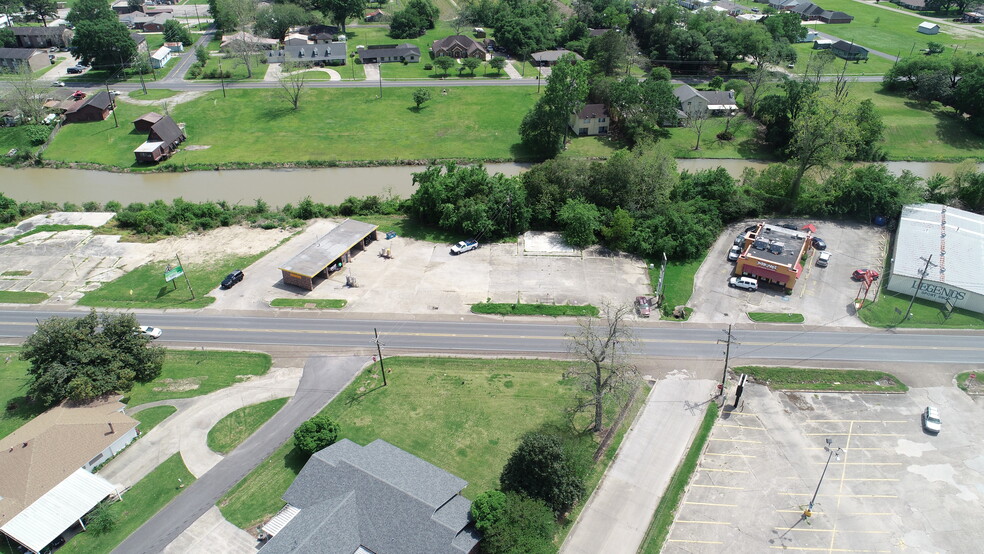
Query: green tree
[(340, 11), (619, 230), (443, 63), (786, 25), (43, 10), (610, 51), (315, 434), (716, 83), (545, 127), (968, 187), (420, 96), (488, 509), (407, 23), (526, 526), (103, 43), (871, 132), (174, 31), (90, 10), (824, 131), (202, 54), (543, 469), (101, 520), (7, 38), (579, 221), (82, 358), (497, 63), (471, 64), (274, 20)]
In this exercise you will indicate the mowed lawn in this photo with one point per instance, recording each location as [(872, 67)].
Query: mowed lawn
[(189, 373), (893, 32), (13, 390), (257, 126)]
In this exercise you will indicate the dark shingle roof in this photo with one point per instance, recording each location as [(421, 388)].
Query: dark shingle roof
[(18, 53), (468, 43), (100, 100), (165, 130), (57, 30), (138, 38), (845, 46), (150, 117), (553, 55), (379, 497), (592, 111), (389, 50)]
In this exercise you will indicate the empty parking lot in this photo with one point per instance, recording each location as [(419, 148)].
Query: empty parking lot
[(889, 487)]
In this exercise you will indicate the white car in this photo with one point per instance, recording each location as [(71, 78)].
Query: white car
[(746, 283), (464, 246), (152, 332), (931, 420), (734, 253), (58, 84), (115, 93)]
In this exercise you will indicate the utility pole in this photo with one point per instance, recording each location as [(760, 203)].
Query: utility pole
[(727, 357), (808, 512), (185, 273), (112, 104), (379, 350), (922, 275)]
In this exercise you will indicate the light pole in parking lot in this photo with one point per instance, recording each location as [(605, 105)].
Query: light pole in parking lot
[(831, 453)]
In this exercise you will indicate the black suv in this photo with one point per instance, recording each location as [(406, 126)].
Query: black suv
[(232, 278)]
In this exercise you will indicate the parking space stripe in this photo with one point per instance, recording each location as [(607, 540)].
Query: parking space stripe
[(723, 470), (735, 440), (703, 522), (785, 547), (856, 448), (869, 479), (854, 434), (812, 530), (711, 504), (719, 487), (695, 542), (841, 495), (732, 455), (857, 421), (866, 463), (871, 514), (743, 427)]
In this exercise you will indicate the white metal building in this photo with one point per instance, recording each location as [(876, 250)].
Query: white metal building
[(953, 241)]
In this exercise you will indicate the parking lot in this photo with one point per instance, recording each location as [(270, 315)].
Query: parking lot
[(823, 295), (889, 486)]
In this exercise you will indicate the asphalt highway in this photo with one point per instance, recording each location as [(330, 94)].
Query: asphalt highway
[(660, 340)]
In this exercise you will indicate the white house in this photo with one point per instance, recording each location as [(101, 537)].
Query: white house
[(713, 101), (160, 58), (928, 28)]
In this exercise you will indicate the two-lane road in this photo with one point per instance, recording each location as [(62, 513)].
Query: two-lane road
[(800, 344)]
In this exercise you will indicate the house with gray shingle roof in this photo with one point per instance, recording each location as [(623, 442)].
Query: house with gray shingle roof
[(377, 498)]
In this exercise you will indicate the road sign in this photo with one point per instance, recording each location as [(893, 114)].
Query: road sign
[(171, 274)]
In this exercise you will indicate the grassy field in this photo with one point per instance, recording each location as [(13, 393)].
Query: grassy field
[(659, 527), (230, 431), (678, 283), (766, 317), (798, 378), (144, 287), (16, 137), (403, 226), (237, 68), (888, 310), (534, 309), (891, 32), (318, 303), (139, 504), (242, 127), (13, 390), (875, 65), (189, 373), (21, 297), (150, 417), (463, 415)]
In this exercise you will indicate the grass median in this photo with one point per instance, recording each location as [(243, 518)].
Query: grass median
[(891, 307), (535, 309), (768, 317), (151, 417), (807, 379), (318, 303), (22, 297), (230, 431), (659, 527), (678, 284)]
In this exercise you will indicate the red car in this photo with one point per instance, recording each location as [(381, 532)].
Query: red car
[(859, 274), (643, 306)]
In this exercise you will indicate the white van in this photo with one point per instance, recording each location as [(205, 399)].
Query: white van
[(823, 259), (746, 283)]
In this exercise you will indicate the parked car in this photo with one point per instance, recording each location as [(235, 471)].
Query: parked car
[(152, 332), (931, 420), (58, 84), (115, 93), (76, 69), (643, 306), (823, 259), (746, 283), (819, 244), (734, 253), (740, 239), (750, 228), (789, 226), (464, 246), (78, 95), (859, 274), (232, 278)]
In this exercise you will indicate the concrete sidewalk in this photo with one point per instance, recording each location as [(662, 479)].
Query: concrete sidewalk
[(617, 515)]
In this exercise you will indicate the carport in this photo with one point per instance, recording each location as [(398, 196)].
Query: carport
[(328, 253)]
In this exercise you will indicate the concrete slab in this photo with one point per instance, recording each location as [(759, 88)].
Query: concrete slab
[(208, 532), (541, 242), (617, 515)]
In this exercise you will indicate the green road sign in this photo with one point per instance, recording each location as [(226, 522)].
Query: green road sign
[(171, 274)]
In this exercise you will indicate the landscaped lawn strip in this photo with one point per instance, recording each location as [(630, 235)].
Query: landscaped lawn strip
[(230, 431), (139, 504), (678, 283), (319, 303), (13, 391), (555, 310), (144, 287), (463, 415), (21, 297), (798, 378), (882, 313), (767, 317), (200, 372), (150, 417)]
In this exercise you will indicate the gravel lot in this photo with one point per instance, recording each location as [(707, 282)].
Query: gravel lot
[(894, 488), (823, 295)]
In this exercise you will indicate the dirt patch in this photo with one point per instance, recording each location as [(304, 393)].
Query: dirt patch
[(179, 98), (800, 402), (197, 147), (217, 243), (178, 385)]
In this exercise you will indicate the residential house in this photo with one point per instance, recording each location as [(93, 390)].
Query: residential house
[(383, 53), (783, 5), (823, 44), (134, 20), (156, 23), (13, 59), (95, 107), (160, 57), (458, 46), (162, 140), (731, 8), (140, 41), (45, 480), (972, 17), (231, 42), (835, 17), (549, 58), (712, 101), (375, 16), (751, 17), (375, 498), (848, 51), (592, 120), (313, 31), (175, 46), (143, 123), (43, 37), (809, 11), (810, 36), (928, 28), (303, 51)]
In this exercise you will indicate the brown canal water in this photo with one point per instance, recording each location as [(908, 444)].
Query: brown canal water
[(329, 185)]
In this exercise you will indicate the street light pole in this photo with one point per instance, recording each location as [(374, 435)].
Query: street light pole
[(922, 275), (832, 452)]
